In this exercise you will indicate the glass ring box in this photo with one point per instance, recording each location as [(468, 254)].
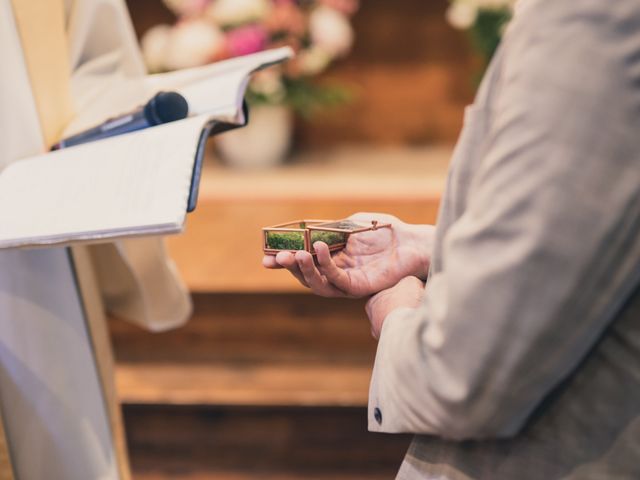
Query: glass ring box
[(302, 234)]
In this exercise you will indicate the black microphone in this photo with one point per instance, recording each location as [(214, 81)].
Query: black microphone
[(164, 107)]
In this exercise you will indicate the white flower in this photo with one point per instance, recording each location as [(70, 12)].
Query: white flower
[(236, 12), (185, 8), (268, 82), (192, 43), (462, 14), (313, 60), (154, 47), (330, 31)]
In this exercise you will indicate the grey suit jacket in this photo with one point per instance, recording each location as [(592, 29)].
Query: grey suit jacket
[(523, 362)]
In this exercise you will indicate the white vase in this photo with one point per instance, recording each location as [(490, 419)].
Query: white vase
[(264, 142)]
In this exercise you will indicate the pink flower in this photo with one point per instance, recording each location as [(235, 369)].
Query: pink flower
[(233, 13), (246, 40)]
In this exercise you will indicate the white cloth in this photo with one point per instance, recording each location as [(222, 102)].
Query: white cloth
[(51, 400), (138, 280)]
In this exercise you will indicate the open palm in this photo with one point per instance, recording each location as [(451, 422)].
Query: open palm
[(371, 261)]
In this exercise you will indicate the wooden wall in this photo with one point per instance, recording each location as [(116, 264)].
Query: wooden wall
[(411, 72)]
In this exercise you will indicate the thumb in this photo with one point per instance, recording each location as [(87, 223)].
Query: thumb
[(334, 274)]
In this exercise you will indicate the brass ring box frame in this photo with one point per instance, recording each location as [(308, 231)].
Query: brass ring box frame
[(302, 234)]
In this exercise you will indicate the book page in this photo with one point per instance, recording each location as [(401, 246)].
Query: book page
[(129, 185), (133, 184), (246, 64), (217, 89)]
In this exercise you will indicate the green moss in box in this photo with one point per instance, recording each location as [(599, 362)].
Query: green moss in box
[(285, 240), (330, 238)]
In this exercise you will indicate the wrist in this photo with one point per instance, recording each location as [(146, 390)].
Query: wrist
[(406, 294), (419, 239)]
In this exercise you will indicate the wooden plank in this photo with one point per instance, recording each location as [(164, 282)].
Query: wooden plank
[(221, 248), (254, 385), (349, 173), (416, 103), (221, 474), (252, 349), (255, 329), (259, 443)]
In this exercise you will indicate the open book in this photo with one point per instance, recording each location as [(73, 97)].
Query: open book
[(140, 183)]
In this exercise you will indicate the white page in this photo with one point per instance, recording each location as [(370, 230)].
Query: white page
[(133, 184), (219, 96), (216, 89), (129, 185), (245, 64)]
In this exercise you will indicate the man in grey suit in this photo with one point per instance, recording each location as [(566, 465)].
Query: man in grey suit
[(521, 357)]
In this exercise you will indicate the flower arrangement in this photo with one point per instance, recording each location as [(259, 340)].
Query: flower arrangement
[(485, 20), (209, 30)]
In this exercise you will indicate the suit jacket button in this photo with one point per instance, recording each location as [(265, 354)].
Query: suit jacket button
[(377, 414)]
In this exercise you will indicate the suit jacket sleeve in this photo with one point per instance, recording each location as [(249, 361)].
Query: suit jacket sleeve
[(545, 252)]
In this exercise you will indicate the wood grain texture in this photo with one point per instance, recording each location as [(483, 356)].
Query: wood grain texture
[(243, 474), (221, 249), (411, 75), (238, 349), (266, 443), (252, 329), (253, 385)]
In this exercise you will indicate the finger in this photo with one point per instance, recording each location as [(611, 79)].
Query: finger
[(368, 308), (309, 271), (269, 261), (287, 260), (316, 281), (374, 334), (368, 305), (327, 267)]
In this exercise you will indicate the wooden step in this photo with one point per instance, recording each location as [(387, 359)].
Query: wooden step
[(258, 443), (246, 349), (254, 384)]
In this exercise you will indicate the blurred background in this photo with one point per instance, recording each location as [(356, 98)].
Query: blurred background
[(266, 381)]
